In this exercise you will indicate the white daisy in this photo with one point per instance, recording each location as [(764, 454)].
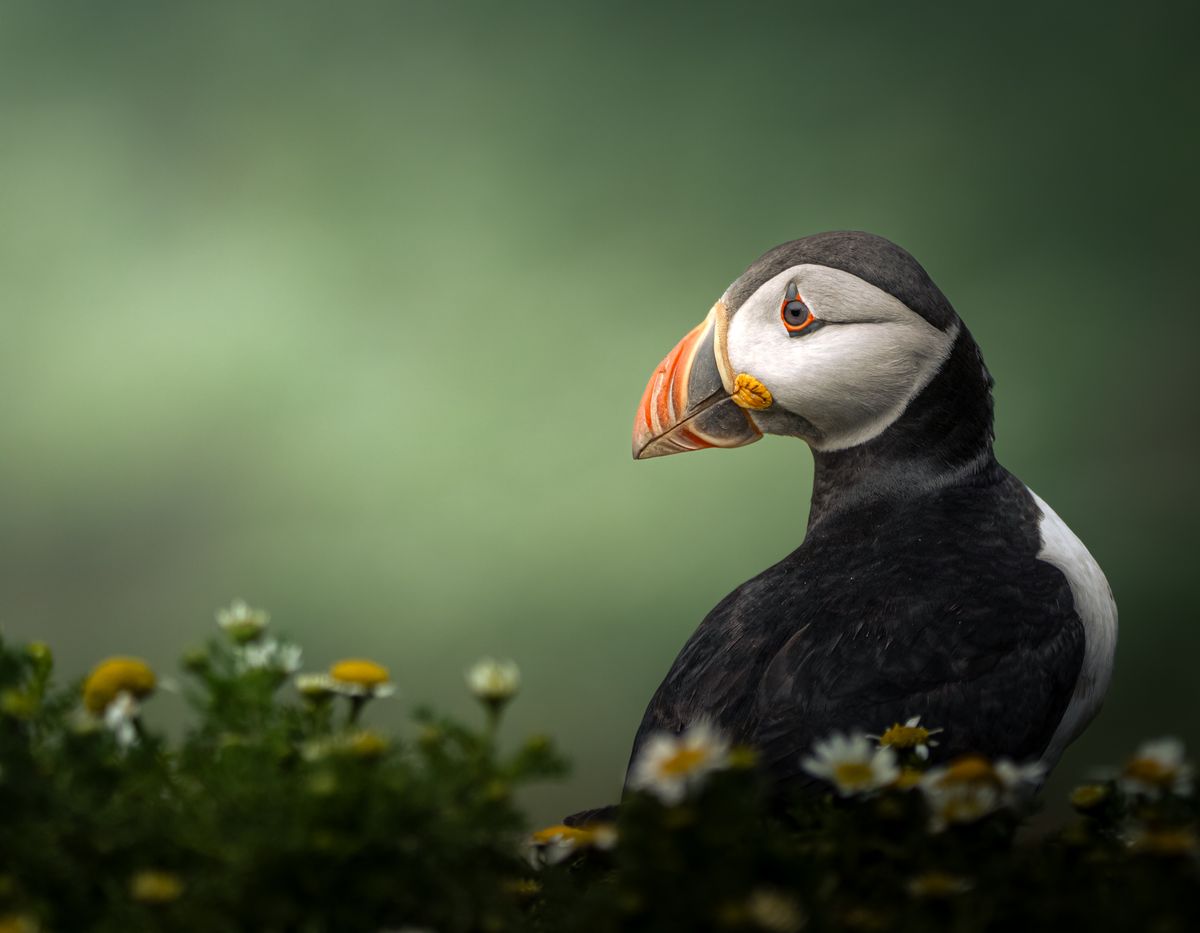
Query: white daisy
[(240, 622), (556, 843), (852, 764), (494, 682), (971, 787), (959, 803), (1159, 766), (288, 658), (315, 687), (668, 766), (359, 691), (911, 736)]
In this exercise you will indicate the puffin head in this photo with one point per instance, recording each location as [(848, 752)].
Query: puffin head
[(828, 338)]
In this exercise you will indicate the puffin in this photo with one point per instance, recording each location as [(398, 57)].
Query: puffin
[(930, 581)]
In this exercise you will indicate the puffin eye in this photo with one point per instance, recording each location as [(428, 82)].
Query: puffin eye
[(794, 312)]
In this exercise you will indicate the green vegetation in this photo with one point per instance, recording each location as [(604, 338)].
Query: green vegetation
[(279, 810)]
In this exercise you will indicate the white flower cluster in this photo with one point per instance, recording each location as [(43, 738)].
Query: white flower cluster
[(253, 652), (963, 791), (267, 654)]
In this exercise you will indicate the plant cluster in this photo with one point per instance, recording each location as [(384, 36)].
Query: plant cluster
[(278, 810)]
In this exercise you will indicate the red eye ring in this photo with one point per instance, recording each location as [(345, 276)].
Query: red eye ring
[(794, 313)]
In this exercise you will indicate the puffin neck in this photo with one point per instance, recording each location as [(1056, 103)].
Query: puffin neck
[(943, 438)]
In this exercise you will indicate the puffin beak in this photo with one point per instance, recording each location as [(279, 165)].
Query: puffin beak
[(688, 403)]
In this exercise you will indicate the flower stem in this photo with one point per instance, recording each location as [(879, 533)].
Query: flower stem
[(356, 707)]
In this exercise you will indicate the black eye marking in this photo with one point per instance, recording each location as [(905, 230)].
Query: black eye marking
[(795, 314)]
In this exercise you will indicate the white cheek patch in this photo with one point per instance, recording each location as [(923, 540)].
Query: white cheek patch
[(856, 374)]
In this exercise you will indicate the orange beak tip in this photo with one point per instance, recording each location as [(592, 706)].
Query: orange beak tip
[(670, 421)]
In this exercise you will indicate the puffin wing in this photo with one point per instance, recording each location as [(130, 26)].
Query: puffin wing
[(995, 669)]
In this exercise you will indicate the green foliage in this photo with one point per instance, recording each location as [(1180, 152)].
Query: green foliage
[(268, 815), (730, 860), (277, 811)]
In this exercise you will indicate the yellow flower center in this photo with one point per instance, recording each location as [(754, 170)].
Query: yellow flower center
[(1167, 842), (970, 769), (600, 835), (115, 676), (155, 887), (18, 923), (360, 672), (853, 774), (523, 887), (936, 883), (1088, 796), (907, 779), (682, 761), (899, 736), (367, 744), (1150, 771)]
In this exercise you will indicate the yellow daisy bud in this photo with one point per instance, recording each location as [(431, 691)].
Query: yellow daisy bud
[(360, 673), (18, 704), (115, 676), (40, 652)]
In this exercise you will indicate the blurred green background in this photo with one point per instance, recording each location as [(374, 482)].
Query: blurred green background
[(346, 309)]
